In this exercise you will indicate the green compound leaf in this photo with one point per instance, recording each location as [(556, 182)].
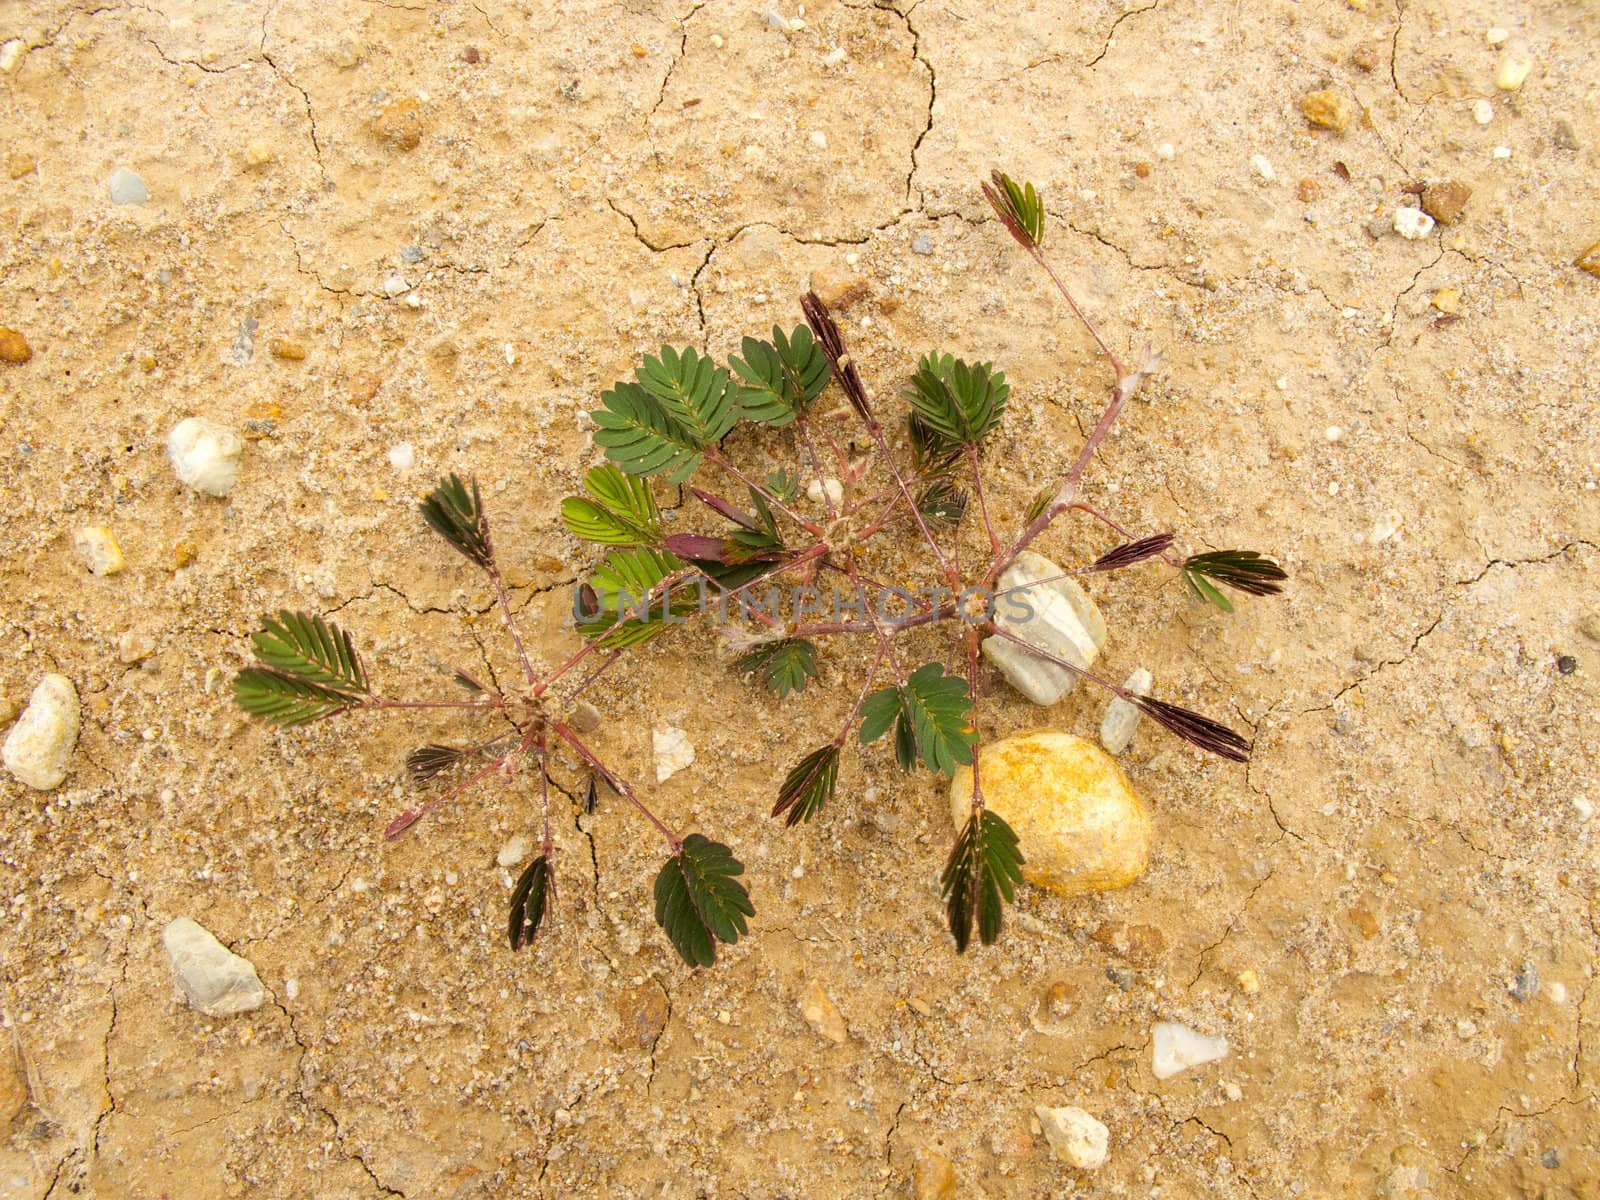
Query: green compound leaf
[(286, 700), (929, 713), (783, 666), (942, 503), (1019, 207), (625, 612), (780, 378), (981, 875), (699, 900), (809, 786), (1243, 570), (957, 403), (693, 390), (310, 649), (621, 513), (456, 515), (640, 436), (530, 900)]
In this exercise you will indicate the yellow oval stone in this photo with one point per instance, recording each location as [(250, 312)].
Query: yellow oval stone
[(1080, 825)]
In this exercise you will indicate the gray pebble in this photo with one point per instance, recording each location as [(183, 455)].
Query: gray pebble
[(922, 244), (1121, 976), (411, 254), (1380, 227), (211, 977), (1526, 985), (127, 187), (1550, 1160), (244, 343)]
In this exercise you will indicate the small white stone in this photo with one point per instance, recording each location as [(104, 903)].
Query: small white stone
[(291, 989), (1262, 166), (510, 353), (41, 742), (819, 139), (1122, 718), (413, 301), (1233, 1091), (11, 54), (796, 24), (1482, 111), (1333, 433), (97, 549), (1502, 152), (402, 457), (1412, 223), (513, 852), (1386, 527), (205, 455), (1057, 616), (835, 491), (716, 41), (1583, 806), (211, 977), (1166, 152), (1557, 993), (1075, 1137), (1466, 1030), (395, 285), (1496, 35), (833, 57), (127, 187), (1177, 1048), (673, 751), (134, 647), (1513, 70)]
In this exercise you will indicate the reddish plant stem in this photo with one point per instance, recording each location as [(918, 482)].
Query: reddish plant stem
[(616, 782), (716, 457), (1039, 257), (816, 464), (861, 697), (410, 817), (983, 505), (505, 611)]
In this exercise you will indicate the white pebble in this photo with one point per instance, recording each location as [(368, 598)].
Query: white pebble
[(395, 285), (1075, 1137), (1177, 1048), (833, 57), (11, 55), (1557, 993), (834, 489), (205, 455), (1502, 152), (211, 977), (1333, 433), (514, 851), (716, 41), (1466, 1030), (1496, 35), (402, 457), (127, 188), (97, 549), (41, 742), (1412, 223), (1513, 71), (673, 751), (291, 989), (1233, 1091), (1262, 166), (413, 301), (510, 353), (1166, 152), (1583, 807), (1482, 111), (1386, 527), (1122, 718), (819, 139)]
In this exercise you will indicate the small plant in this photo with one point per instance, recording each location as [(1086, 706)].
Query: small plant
[(670, 422)]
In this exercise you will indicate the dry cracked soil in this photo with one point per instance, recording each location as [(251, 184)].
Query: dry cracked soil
[(1410, 425)]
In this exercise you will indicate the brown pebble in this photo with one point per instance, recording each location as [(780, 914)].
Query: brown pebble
[(284, 348), (1445, 200), (1145, 944), (471, 55), (1059, 998), (838, 289), (641, 1015), (1327, 109), (1588, 261), (1566, 138), (183, 554), (1361, 917), (363, 386), (14, 347), (820, 1012), (261, 420), (19, 164), (1142, 170), (639, 51), (1366, 57), (400, 125), (933, 1177), (1308, 190)]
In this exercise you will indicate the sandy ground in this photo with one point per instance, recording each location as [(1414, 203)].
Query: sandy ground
[(589, 180)]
